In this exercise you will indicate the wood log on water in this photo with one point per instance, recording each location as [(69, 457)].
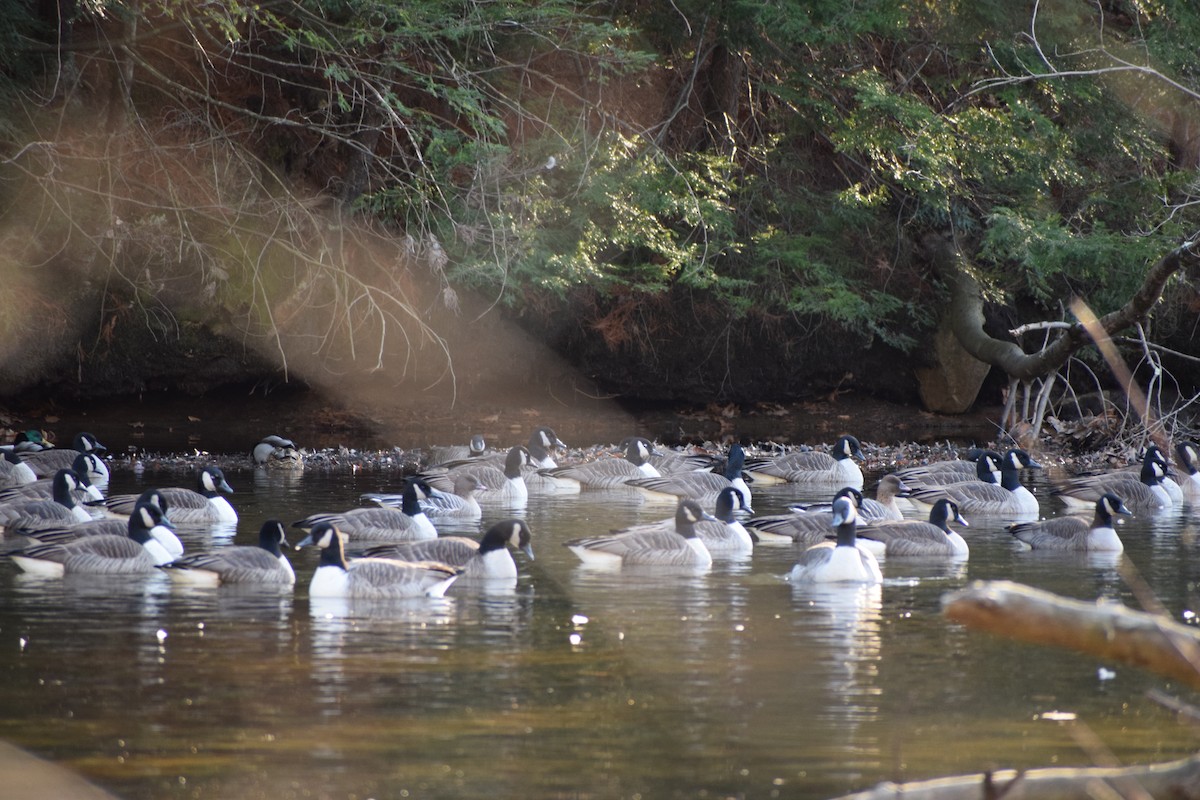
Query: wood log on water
[(1103, 628), (1178, 780)]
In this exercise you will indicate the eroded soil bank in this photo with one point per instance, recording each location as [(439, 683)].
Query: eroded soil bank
[(232, 421)]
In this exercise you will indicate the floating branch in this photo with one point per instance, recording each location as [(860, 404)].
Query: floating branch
[(1104, 628), (1179, 780)]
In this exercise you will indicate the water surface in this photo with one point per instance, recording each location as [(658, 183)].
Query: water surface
[(573, 683)]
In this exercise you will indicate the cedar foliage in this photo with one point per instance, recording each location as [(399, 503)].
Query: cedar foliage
[(778, 163)]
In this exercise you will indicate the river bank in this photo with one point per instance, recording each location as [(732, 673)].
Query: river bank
[(178, 431), (233, 422)]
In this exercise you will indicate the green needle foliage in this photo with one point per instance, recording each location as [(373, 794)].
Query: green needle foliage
[(779, 161)]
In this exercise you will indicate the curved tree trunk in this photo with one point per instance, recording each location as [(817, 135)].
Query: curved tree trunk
[(966, 310)]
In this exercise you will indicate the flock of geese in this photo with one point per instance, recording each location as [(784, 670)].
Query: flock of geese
[(58, 521)]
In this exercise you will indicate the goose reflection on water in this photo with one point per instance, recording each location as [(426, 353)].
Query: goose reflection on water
[(843, 621), (346, 631)]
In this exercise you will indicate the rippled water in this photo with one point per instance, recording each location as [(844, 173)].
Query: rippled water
[(577, 683)]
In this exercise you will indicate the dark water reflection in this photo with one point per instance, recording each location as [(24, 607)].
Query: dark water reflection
[(576, 682)]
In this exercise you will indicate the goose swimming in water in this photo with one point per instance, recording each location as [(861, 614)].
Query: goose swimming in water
[(844, 561), (680, 547), (976, 497), (406, 524), (1074, 533), (61, 509), (700, 486), (487, 558), (263, 564), (139, 552), (610, 473), (836, 466), (202, 505), (919, 537), (371, 578), (505, 486), (1141, 493)]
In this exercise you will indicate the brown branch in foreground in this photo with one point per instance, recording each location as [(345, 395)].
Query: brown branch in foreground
[(1179, 780), (1104, 629)]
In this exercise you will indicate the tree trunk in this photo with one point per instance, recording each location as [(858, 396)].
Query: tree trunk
[(966, 311)]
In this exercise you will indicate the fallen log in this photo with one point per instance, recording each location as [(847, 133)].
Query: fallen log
[(1178, 780), (1103, 628)]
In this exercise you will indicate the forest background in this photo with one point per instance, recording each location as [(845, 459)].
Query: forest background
[(713, 201)]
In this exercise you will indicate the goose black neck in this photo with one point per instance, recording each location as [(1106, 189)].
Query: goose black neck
[(1010, 477), (333, 556), (735, 462), (1150, 473), (410, 504), (512, 464), (61, 491)]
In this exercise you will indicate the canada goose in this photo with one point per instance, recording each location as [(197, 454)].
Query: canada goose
[(407, 524), (726, 534), (807, 525), (610, 473), (884, 506), (1168, 483), (463, 504), (985, 468), (45, 463), (541, 446), (1189, 461), (506, 486), (542, 442), (201, 505), (375, 578), (138, 552), (539, 471), (440, 455), (945, 472), (918, 537), (14, 471), (669, 461), (681, 547), (488, 558), (840, 562), (836, 466), (1139, 494), (1075, 533), (263, 563), (722, 533), (39, 513), (436, 504), (276, 452), (700, 486), (976, 497), (45, 533), (43, 488)]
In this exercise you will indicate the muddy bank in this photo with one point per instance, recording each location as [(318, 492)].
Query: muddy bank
[(233, 421)]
